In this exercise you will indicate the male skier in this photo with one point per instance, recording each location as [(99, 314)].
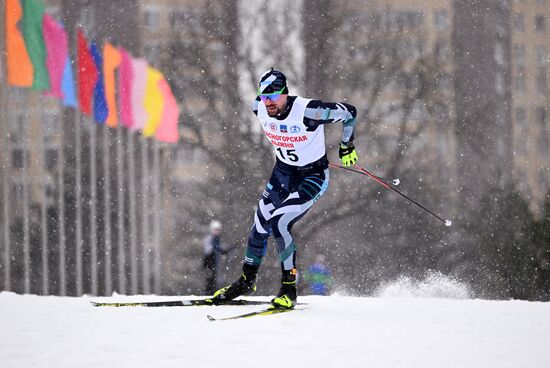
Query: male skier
[(295, 127)]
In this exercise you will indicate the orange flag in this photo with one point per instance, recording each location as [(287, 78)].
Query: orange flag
[(19, 66), (111, 61)]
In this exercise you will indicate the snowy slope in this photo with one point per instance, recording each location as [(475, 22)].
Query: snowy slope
[(332, 332)]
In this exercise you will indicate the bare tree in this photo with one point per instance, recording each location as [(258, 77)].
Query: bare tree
[(384, 68)]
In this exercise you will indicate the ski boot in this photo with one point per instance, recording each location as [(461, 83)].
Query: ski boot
[(244, 285), (286, 298)]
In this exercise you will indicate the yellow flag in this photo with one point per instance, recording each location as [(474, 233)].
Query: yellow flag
[(154, 101)]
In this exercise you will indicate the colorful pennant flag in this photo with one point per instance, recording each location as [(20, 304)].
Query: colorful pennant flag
[(87, 75), (67, 85), (33, 11), (154, 101), (100, 103), (140, 115), (18, 63), (111, 61), (38, 57), (167, 131), (56, 54), (125, 80)]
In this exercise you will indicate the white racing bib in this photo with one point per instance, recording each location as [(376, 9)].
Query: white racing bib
[(293, 144)]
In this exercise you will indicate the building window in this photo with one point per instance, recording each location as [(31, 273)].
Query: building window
[(540, 23), (542, 81), (519, 55), (17, 190), (441, 51), (519, 80), (441, 20), (499, 83), (50, 159), (542, 57), (151, 18), (521, 116), (51, 126), (499, 53), (414, 19), (151, 52), (19, 131), (177, 18), (18, 158), (541, 116), (519, 23), (444, 82)]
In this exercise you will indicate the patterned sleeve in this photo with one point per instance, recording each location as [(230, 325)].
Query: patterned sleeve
[(319, 112), (255, 106)]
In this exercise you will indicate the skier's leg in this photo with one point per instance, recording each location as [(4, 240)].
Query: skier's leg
[(257, 238), (295, 206), (257, 244)]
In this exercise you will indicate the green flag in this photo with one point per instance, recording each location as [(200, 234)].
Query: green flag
[(33, 11)]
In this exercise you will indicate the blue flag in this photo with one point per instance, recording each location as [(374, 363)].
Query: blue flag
[(101, 110), (67, 85)]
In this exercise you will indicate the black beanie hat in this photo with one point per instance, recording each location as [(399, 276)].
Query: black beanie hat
[(272, 81)]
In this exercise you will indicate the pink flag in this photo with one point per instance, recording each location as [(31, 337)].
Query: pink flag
[(168, 128), (139, 68), (125, 80), (55, 39)]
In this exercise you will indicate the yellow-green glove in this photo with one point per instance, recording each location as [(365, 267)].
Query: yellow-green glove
[(347, 154)]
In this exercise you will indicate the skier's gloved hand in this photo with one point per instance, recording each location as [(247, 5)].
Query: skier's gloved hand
[(347, 153)]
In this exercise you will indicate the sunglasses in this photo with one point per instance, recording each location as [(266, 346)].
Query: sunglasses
[(272, 96)]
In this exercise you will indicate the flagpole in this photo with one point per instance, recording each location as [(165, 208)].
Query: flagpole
[(93, 212), (26, 232), (107, 213), (157, 214), (120, 210), (44, 222), (132, 211), (7, 164), (145, 215), (78, 208), (61, 216)]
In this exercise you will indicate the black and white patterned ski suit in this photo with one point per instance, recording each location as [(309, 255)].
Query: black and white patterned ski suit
[(300, 176)]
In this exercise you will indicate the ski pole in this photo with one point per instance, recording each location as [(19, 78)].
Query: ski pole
[(387, 186)]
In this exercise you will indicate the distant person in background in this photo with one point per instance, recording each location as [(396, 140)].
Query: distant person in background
[(319, 277), (213, 249)]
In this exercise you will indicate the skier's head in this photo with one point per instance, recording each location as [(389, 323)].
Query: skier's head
[(215, 227), (273, 91)]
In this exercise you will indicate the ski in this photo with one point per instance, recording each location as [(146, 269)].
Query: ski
[(176, 303), (261, 312)]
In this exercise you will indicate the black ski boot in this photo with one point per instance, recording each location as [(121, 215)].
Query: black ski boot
[(286, 298), (245, 284)]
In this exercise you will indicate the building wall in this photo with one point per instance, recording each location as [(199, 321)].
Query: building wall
[(530, 23), (482, 97)]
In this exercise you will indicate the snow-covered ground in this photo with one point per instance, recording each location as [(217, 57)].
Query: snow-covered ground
[(336, 331)]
